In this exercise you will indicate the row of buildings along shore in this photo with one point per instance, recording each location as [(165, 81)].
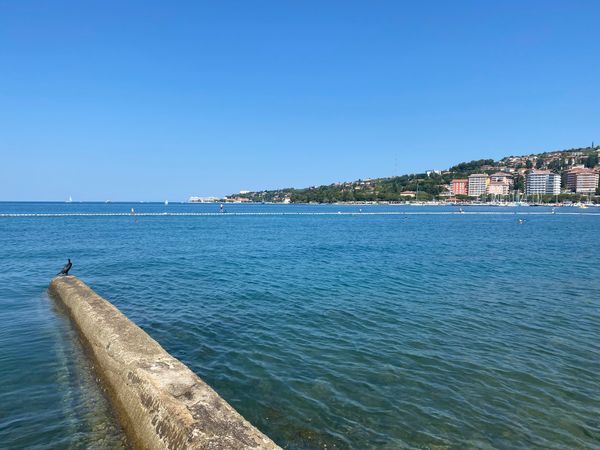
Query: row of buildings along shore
[(578, 179), (575, 171)]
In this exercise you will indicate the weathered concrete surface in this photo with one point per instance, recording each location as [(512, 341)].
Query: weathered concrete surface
[(161, 403)]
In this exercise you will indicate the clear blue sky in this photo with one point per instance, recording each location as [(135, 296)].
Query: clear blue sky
[(150, 100)]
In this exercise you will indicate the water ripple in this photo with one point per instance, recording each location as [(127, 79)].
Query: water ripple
[(363, 332)]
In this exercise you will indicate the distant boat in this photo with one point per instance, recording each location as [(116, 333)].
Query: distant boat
[(166, 202), (70, 199)]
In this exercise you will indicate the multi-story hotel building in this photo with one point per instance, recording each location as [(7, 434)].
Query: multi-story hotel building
[(542, 182), (500, 183), (581, 180), (499, 187), (478, 184), (460, 186), (502, 177)]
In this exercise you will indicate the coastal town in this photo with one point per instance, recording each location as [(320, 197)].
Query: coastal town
[(567, 177), (579, 179)]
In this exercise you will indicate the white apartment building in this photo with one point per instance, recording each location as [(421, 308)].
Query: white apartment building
[(542, 182), (478, 184)]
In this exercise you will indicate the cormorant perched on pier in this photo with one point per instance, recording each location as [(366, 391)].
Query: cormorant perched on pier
[(65, 270)]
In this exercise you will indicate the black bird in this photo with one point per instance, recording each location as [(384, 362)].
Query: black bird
[(65, 270)]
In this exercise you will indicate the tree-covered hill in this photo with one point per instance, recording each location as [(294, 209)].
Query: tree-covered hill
[(425, 186)]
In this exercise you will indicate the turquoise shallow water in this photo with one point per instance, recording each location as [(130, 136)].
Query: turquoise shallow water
[(336, 331)]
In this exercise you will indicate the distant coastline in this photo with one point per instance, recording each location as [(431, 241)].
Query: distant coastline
[(563, 177)]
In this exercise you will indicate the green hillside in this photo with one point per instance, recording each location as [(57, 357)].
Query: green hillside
[(426, 186)]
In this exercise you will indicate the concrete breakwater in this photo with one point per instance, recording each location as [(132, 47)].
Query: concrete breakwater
[(160, 402)]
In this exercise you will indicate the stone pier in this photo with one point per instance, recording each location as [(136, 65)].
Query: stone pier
[(160, 402)]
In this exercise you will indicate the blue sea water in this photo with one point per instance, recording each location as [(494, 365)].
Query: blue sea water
[(338, 331)]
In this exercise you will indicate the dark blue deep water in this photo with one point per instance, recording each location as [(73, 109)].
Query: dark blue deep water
[(325, 331)]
